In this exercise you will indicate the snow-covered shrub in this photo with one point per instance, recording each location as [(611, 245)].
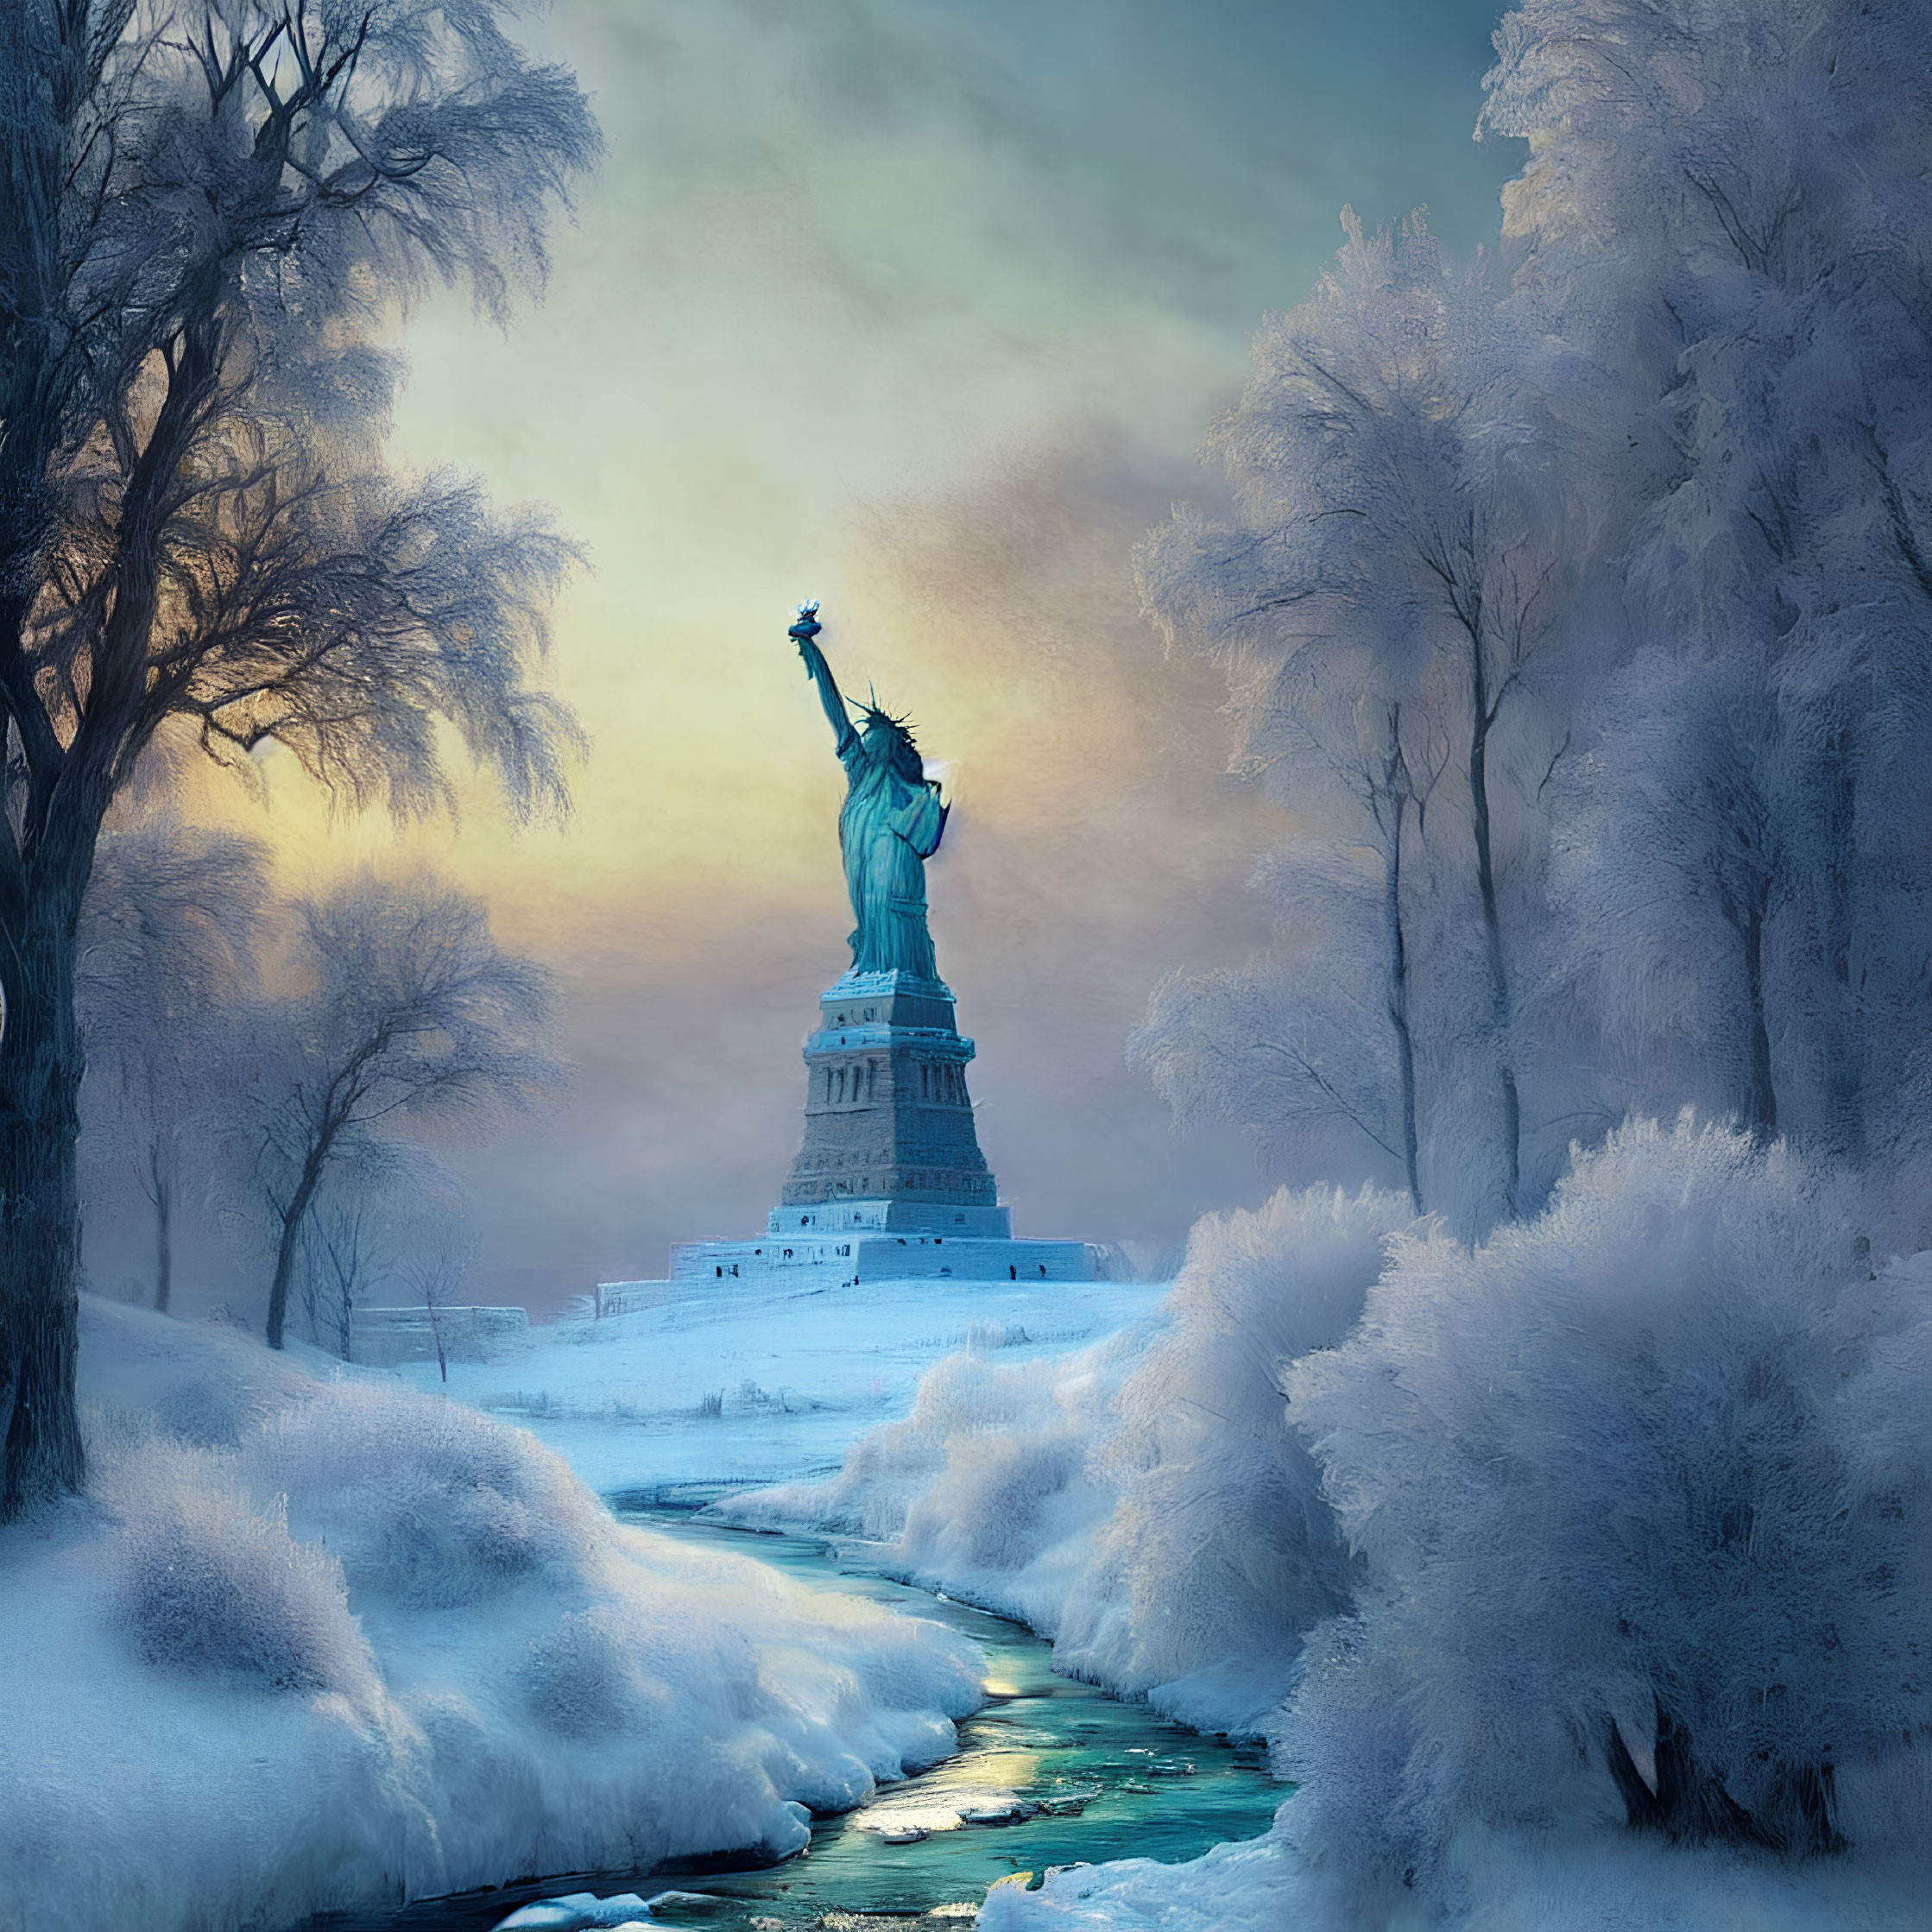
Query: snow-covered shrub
[(206, 1577), (985, 1485), (1643, 1491), (1221, 1553), (1024, 1412), (208, 1383), (422, 1499), (1014, 1485)]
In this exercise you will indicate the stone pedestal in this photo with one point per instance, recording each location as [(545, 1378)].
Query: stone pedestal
[(890, 1184), (888, 1115)]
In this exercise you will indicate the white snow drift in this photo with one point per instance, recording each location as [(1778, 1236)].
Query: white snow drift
[(316, 1643)]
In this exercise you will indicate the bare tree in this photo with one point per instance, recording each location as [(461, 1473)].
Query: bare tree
[(434, 1276), (166, 966), (414, 1014), (1288, 1046), (207, 209), (339, 1263)]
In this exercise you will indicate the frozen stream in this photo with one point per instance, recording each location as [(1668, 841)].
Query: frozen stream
[(1097, 1778)]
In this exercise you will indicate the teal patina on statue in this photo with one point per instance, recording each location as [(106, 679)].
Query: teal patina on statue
[(890, 826)]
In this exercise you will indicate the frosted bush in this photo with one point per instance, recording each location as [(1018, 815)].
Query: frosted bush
[(208, 1384), (207, 1578), (1643, 1493), (993, 1505), (424, 1502), (967, 1399), (1222, 1548)]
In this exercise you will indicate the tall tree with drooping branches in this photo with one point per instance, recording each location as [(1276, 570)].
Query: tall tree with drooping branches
[(210, 210)]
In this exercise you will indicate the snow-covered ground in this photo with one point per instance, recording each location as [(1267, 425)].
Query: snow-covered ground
[(1512, 1883), (316, 1622), (753, 1383), (316, 1640)]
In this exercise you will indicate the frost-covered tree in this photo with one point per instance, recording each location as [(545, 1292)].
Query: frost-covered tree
[(433, 1275), (1640, 1494), (1670, 871), (1388, 459), (412, 1013), (167, 965), (338, 1263), (1722, 207), (1322, 1034), (208, 210), (1308, 1044)]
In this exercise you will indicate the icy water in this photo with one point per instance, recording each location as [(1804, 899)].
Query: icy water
[(1099, 1779)]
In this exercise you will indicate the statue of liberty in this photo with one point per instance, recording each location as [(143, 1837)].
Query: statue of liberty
[(890, 826)]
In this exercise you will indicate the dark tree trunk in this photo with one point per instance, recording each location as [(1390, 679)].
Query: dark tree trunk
[(293, 1217), (284, 1263), (1844, 1028), (1760, 1098), (162, 1193), (1399, 1005), (40, 1065), (1691, 1805), (1492, 937)]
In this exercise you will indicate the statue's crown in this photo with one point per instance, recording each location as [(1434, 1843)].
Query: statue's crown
[(873, 713)]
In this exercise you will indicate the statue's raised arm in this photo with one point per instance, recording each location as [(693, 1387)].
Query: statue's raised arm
[(805, 633), (890, 826)]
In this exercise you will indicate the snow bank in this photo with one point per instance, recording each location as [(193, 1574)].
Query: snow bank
[(1511, 1883), (1143, 1503), (313, 1643)]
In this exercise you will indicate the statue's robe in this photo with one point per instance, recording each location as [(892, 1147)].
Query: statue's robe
[(890, 826)]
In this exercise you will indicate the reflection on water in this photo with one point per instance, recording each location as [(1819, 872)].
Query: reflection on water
[(1050, 1772)]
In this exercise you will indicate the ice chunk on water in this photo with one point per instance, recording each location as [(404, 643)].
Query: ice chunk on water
[(576, 1909)]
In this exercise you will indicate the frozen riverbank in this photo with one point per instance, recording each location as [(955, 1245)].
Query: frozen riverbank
[(313, 1642), (1051, 1770)]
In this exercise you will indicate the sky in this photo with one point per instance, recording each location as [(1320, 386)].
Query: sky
[(921, 308)]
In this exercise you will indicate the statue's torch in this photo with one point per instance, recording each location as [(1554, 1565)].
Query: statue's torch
[(807, 626)]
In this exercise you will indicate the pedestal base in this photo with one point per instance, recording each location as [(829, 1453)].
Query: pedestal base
[(890, 1184), (870, 1246)]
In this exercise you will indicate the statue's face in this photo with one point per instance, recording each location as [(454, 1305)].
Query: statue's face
[(888, 744)]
